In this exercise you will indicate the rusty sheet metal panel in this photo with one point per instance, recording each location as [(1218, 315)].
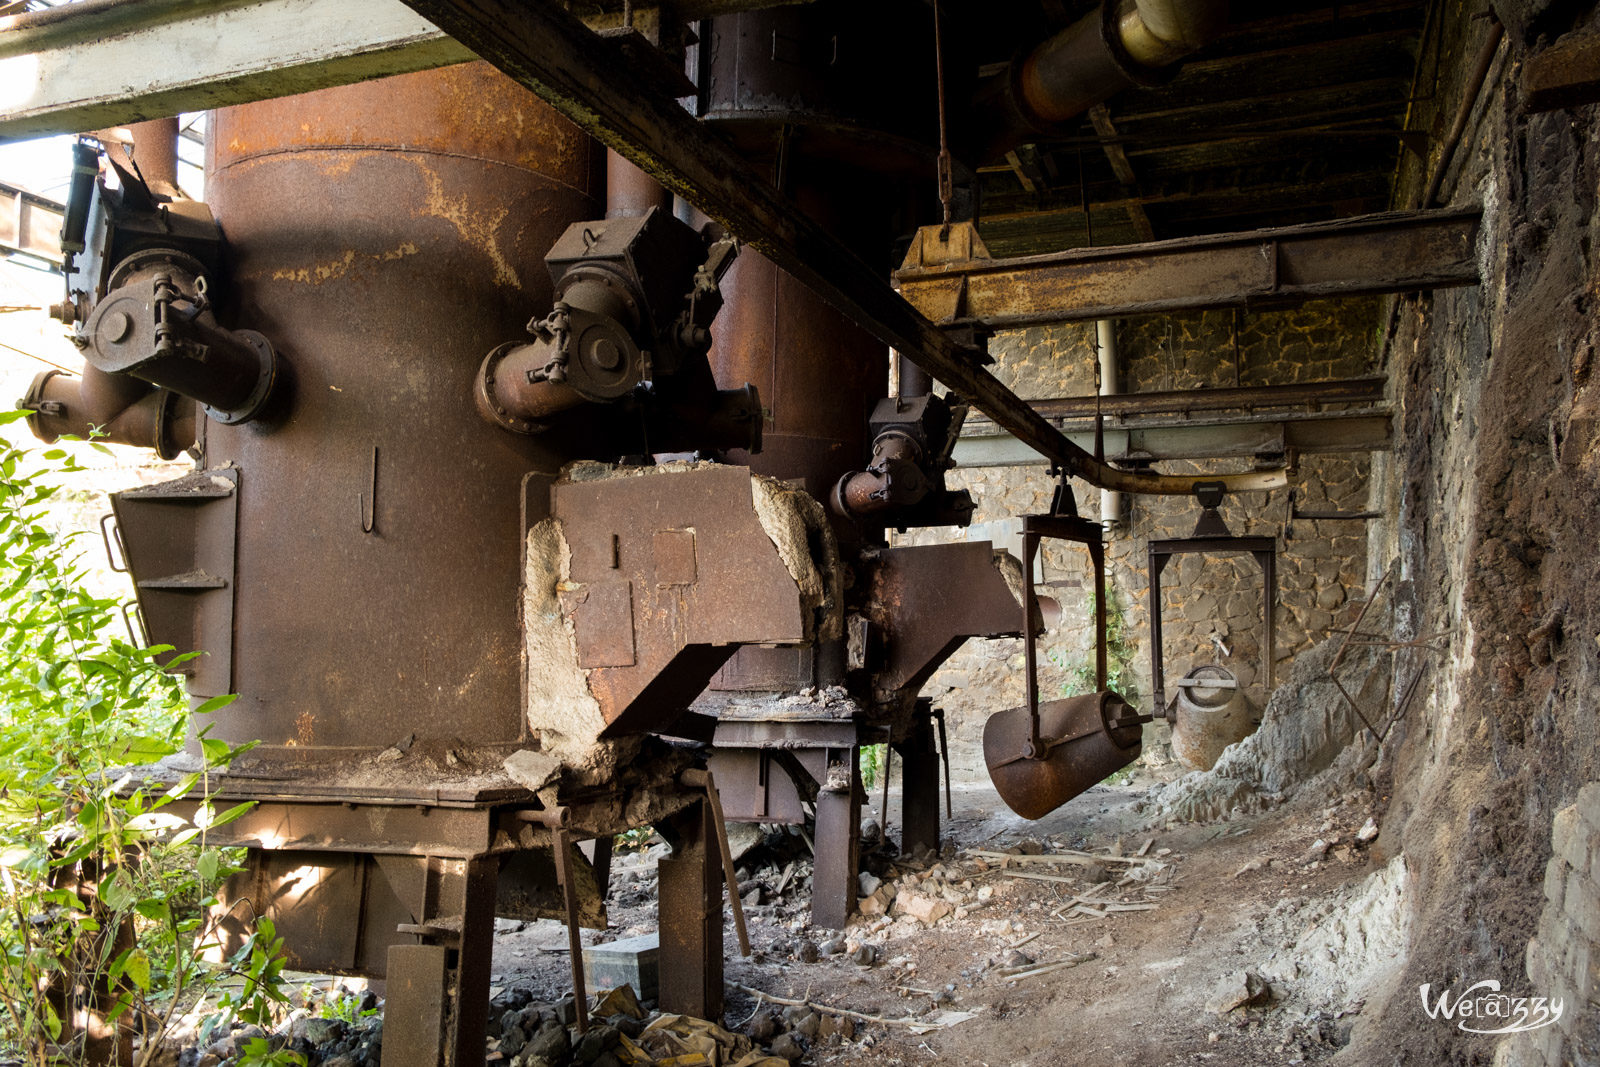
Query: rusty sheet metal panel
[(670, 569), (179, 539), (926, 600), (1388, 253), (388, 234)]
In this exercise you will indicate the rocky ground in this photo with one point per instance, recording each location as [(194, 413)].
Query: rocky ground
[(1092, 937)]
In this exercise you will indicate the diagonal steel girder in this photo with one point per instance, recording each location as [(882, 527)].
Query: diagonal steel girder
[(541, 46)]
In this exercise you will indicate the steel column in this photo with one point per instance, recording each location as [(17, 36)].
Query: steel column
[(833, 882), (919, 785), (690, 908), (439, 991)]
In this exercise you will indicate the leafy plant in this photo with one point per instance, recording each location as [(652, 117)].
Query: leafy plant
[(872, 762), (1120, 654), (104, 886)]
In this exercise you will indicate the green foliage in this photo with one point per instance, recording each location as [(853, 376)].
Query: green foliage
[(104, 885), (635, 840), (872, 763), (345, 1006), (1120, 652)]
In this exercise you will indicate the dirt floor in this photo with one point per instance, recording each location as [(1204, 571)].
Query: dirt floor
[(1167, 920)]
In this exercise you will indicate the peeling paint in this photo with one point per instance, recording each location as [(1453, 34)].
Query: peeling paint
[(338, 268), (478, 228)]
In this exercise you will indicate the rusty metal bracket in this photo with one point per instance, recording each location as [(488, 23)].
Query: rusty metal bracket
[(1211, 538), (1355, 637), (1064, 527)]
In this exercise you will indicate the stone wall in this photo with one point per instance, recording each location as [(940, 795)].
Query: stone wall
[(1493, 490), (1564, 956), (1212, 610)]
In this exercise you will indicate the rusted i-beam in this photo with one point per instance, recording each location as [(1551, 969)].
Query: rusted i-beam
[(1394, 252), (551, 52)]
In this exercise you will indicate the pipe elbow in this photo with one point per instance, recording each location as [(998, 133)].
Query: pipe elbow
[(118, 408)]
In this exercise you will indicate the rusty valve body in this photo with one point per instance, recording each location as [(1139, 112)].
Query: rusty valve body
[(630, 324), (903, 483), (156, 323)]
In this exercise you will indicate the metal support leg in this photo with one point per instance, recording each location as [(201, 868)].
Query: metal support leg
[(690, 903), (439, 990), (838, 841), (919, 786)]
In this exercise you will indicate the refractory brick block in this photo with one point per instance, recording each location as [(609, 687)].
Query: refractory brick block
[(632, 961)]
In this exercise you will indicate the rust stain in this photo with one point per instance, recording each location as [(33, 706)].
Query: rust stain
[(305, 727), (338, 268), (477, 228)]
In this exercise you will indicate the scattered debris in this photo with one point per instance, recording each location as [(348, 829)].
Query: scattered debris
[(1238, 990)]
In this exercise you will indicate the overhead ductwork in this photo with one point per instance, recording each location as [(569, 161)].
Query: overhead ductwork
[(1107, 50)]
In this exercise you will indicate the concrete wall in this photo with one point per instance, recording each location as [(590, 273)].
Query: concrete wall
[(1322, 569)]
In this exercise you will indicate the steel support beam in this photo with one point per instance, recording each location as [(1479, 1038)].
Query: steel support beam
[(30, 224), (1153, 441), (1394, 252), (91, 65), (551, 52)]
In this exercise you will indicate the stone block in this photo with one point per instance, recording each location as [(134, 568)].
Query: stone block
[(1568, 839), (1555, 881), (1538, 963), (1582, 905), (633, 961), (1588, 806)]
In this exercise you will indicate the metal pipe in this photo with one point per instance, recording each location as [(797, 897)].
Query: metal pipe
[(1105, 333), (121, 409), (1097, 56), (914, 381), (1480, 73), (630, 192), (155, 150)]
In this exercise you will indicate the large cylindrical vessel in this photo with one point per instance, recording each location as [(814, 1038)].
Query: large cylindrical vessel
[(387, 235)]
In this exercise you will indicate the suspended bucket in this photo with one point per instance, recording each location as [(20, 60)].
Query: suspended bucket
[(1082, 740), (1210, 713)]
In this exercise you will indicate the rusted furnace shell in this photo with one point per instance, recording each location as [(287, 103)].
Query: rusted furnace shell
[(386, 235)]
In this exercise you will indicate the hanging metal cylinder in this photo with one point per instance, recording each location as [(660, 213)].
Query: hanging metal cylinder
[(1209, 713), (1086, 738)]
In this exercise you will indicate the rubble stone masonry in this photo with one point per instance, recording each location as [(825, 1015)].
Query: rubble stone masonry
[(1212, 604)]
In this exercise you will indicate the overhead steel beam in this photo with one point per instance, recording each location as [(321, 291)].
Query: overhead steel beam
[(546, 49), (95, 64), (1394, 252), (100, 63), (30, 224), (1186, 402), (1153, 440)]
